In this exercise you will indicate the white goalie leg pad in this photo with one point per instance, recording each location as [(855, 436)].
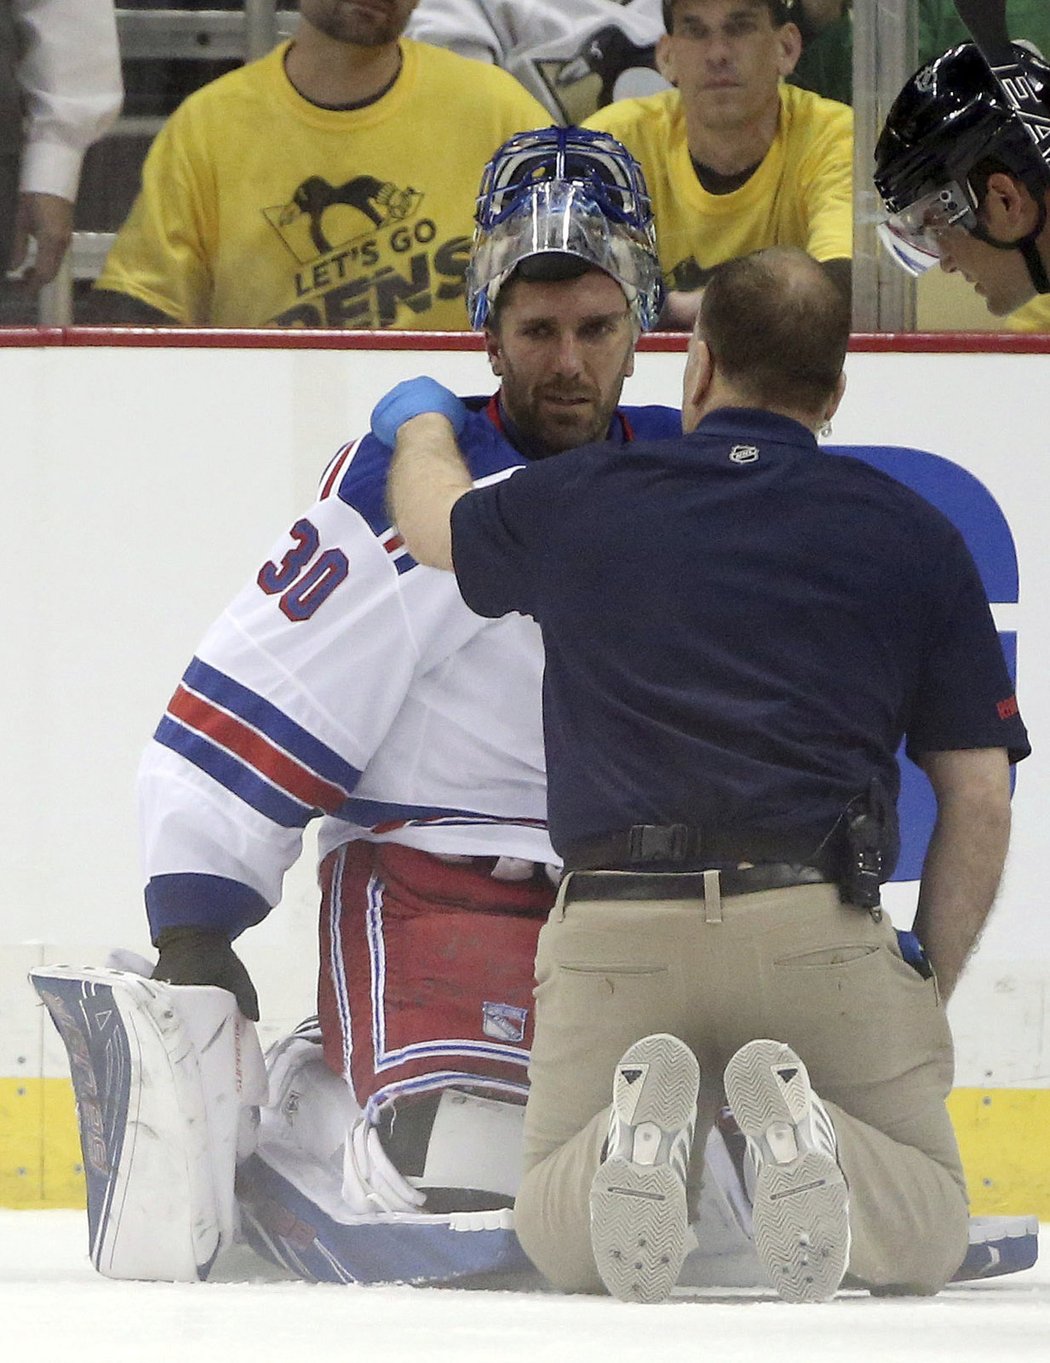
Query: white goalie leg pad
[(161, 1075)]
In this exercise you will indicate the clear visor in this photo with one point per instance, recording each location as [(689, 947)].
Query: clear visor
[(913, 237), (565, 218)]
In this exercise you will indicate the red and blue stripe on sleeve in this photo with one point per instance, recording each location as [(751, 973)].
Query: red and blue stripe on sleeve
[(253, 749)]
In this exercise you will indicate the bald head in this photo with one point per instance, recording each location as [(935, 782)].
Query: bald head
[(777, 328)]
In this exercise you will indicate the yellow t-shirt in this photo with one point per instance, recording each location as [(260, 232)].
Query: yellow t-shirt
[(1033, 317), (259, 209), (800, 195)]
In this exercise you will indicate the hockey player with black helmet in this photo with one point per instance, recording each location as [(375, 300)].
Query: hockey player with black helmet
[(963, 168)]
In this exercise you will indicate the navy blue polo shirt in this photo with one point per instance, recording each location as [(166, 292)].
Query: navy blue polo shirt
[(739, 628)]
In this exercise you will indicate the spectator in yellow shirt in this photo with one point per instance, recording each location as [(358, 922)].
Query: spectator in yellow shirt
[(330, 184), (735, 159)]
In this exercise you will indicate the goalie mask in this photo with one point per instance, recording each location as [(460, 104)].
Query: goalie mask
[(951, 118), (558, 201)]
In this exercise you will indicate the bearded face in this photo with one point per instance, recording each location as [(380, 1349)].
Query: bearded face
[(364, 23)]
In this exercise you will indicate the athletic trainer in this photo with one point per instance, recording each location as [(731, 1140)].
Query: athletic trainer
[(739, 630)]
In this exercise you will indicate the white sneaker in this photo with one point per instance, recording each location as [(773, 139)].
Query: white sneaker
[(639, 1212), (801, 1203)]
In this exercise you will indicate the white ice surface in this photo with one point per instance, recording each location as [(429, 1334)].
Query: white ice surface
[(54, 1308)]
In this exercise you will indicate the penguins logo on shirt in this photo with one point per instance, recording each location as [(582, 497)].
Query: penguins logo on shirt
[(365, 254), (321, 217)]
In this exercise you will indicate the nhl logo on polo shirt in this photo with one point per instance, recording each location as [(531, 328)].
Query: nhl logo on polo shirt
[(503, 1021), (743, 454)]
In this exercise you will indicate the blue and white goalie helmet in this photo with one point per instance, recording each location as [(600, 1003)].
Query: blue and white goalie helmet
[(565, 192)]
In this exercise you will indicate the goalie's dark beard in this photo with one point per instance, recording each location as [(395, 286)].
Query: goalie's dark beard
[(533, 447), (549, 416)]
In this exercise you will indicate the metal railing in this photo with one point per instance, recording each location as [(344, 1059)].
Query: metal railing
[(885, 52), (214, 34)]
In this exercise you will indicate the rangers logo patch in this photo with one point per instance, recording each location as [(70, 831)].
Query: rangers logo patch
[(503, 1021)]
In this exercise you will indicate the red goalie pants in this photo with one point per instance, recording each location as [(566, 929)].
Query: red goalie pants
[(426, 972)]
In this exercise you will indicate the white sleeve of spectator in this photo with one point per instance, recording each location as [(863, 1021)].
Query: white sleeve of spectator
[(70, 76), (482, 29)]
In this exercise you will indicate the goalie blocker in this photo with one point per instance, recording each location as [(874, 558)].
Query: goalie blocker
[(166, 1079)]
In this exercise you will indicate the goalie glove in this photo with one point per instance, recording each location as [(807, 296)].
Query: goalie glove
[(370, 1181), (197, 956)]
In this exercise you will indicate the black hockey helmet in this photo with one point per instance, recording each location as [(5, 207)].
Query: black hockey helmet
[(953, 114)]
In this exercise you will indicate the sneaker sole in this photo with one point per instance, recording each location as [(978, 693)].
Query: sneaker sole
[(801, 1221), (639, 1212)]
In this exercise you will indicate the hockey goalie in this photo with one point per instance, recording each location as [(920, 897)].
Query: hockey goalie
[(382, 1141)]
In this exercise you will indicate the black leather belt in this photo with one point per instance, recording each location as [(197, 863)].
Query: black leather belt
[(771, 875), (678, 847)]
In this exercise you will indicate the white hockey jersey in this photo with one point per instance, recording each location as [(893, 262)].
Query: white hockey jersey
[(574, 56), (348, 682)]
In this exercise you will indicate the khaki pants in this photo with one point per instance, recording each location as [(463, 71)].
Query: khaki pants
[(795, 965)]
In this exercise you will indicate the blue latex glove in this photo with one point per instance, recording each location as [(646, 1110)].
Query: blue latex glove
[(412, 398)]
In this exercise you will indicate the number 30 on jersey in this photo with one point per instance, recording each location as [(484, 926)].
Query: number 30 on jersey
[(307, 575)]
